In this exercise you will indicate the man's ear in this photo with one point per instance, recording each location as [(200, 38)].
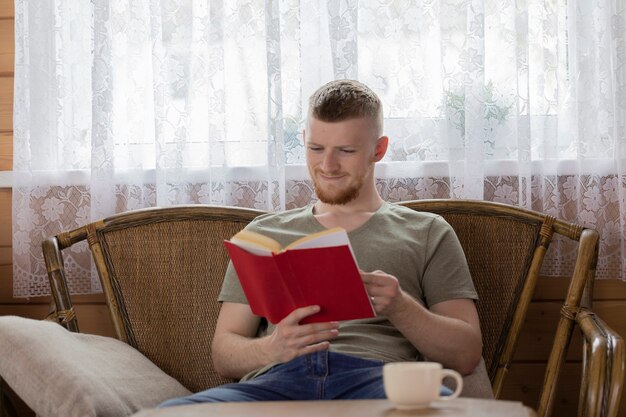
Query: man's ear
[(304, 137), (381, 148)]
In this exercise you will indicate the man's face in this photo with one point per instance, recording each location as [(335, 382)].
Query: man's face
[(340, 157)]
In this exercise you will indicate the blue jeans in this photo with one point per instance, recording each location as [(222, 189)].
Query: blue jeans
[(317, 376)]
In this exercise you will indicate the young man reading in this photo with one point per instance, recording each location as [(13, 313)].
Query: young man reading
[(412, 265)]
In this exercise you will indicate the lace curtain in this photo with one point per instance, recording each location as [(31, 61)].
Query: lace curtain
[(121, 105)]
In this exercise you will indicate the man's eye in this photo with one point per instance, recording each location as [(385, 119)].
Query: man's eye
[(314, 148), (347, 150)]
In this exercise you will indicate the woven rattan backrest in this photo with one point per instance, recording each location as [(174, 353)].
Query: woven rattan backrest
[(499, 247), (162, 270)]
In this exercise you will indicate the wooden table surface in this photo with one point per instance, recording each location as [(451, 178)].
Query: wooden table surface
[(466, 407)]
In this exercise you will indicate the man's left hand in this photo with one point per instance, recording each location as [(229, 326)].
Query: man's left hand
[(384, 291)]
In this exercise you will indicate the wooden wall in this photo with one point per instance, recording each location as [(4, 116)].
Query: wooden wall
[(6, 140), (526, 374)]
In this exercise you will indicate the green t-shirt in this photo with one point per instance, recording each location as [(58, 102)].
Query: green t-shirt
[(420, 249)]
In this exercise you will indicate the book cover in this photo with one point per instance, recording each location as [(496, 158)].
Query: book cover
[(319, 269)]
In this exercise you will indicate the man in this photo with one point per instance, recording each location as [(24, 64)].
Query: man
[(411, 263)]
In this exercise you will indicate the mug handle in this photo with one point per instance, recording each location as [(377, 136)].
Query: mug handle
[(459, 383)]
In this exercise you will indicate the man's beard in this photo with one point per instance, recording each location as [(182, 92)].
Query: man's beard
[(342, 196)]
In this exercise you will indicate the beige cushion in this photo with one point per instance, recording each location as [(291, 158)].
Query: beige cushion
[(64, 374), (476, 384)]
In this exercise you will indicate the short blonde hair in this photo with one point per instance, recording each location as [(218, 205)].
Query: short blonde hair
[(346, 99)]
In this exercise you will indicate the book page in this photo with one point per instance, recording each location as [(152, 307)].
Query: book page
[(331, 237), (256, 243)]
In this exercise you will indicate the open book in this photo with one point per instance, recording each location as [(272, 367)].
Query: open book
[(318, 269)]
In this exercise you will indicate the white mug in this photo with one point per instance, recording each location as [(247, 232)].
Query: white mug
[(416, 384)]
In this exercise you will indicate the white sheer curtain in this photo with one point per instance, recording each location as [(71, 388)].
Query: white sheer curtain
[(121, 105)]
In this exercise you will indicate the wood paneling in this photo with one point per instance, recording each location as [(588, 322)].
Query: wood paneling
[(6, 150), (523, 384), (7, 9), (6, 103), (31, 311), (524, 380), (538, 330), (5, 217), (555, 288), (5, 258), (7, 45)]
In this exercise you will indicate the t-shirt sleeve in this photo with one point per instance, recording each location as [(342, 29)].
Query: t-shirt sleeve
[(231, 291), (446, 275)]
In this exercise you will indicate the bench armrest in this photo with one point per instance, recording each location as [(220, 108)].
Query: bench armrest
[(603, 367)]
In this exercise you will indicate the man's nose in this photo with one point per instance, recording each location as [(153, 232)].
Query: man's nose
[(329, 162)]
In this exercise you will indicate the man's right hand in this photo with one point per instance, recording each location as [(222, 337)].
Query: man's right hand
[(236, 350), (290, 339)]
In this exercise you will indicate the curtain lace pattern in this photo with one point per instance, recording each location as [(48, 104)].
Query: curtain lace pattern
[(121, 105)]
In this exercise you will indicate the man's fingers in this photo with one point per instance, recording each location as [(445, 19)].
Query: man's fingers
[(368, 278), (314, 338), (378, 278), (315, 348), (299, 313)]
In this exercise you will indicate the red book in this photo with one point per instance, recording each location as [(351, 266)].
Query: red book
[(318, 269)]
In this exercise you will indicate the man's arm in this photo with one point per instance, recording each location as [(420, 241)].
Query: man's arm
[(448, 333), (236, 351)]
